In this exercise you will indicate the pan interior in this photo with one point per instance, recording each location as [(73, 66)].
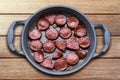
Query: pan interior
[(68, 12)]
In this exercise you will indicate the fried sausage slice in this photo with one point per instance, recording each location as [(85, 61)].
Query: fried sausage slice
[(35, 45), (72, 58), (47, 63), (81, 53), (38, 56), (43, 24), (35, 34), (72, 22), (57, 55), (80, 31), (65, 32), (72, 43), (52, 33), (84, 42), (60, 20), (51, 19), (49, 46), (60, 65), (61, 45)]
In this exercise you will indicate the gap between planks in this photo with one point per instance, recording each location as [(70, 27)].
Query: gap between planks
[(83, 13), (100, 69), (97, 35), (86, 6), (113, 52), (111, 21), (23, 57)]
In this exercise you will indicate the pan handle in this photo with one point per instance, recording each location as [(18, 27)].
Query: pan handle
[(10, 37), (106, 39)]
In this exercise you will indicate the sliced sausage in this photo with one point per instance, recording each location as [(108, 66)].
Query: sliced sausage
[(49, 46), (52, 33), (35, 45), (61, 45), (65, 32), (47, 63), (72, 43), (35, 34), (72, 58), (43, 24), (60, 65), (80, 31), (51, 19), (60, 20), (72, 22), (38, 56), (81, 53), (84, 42), (57, 55)]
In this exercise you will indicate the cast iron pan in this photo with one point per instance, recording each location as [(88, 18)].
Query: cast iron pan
[(67, 11)]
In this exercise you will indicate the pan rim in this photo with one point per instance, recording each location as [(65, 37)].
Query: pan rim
[(58, 73)]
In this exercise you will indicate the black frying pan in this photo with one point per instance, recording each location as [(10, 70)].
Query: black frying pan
[(68, 11)]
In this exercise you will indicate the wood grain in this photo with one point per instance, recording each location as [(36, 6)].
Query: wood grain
[(86, 6), (111, 21), (96, 69), (13, 66), (6, 21), (114, 50)]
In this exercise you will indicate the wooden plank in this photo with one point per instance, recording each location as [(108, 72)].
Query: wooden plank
[(97, 69), (4, 50), (91, 6), (113, 51), (6, 21), (111, 21)]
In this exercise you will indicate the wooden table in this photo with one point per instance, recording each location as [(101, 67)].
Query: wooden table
[(98, 11)]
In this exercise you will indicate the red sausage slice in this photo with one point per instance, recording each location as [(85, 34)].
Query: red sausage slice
[(65, 32), (43, 24), (61, 45), (47, 63), (35, 45), (57, 55), (72, 58), (60, 65), (81, 53), (60, 20), (49, 46), (52, 33), (73, 43), (35, 34), (72, 22), (80, 31), (38, 56), (51, 19), (84, 42)]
